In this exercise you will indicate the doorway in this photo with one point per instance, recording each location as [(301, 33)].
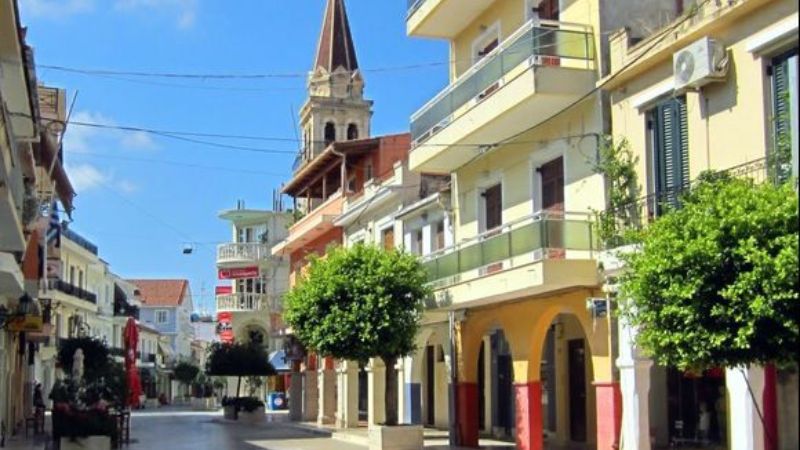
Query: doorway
[(430, 388), (576, 360), (551, 175)]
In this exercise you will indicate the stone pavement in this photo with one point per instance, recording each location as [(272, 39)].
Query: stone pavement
[(183, 429)]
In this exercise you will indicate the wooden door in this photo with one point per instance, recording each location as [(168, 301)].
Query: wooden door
[(430, 385), (552, 182), (493, 202)]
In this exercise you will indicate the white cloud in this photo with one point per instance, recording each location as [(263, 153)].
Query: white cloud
[(85, 177), (185, 10), (55, 9), (82, 138), (138, 140)]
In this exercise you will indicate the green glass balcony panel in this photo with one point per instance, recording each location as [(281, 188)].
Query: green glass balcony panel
[(496, 248), (471, 257), (448, 265), (526, 239), (432, 268), (577, 234)]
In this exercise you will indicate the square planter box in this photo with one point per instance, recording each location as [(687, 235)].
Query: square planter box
[(229, 413), (256, 417), (400, 437), (87, 443)]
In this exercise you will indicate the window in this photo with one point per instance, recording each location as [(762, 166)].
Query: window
[(418, 239), (783, 72), (330, 133), (668, 128), (352, 132), (80, 278), (162, 316), (387, 238), (72, 275), (438, 240), (492, 207)]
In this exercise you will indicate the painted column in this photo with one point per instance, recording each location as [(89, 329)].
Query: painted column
[(770, 399), (609, 414), (468, 431), (310, 395), (347, 399), (296, 397), (634, 387), (529, 415), (376, 390), (744, 386), (412, 390), (327, 393)]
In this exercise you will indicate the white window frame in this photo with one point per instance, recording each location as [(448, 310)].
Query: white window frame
[(157, 317), (494, 31)]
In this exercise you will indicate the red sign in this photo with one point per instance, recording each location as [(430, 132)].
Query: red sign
[(236, 274), (224, 290), (225, 327)]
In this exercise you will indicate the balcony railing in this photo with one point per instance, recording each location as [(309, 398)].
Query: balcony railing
[(243, 252), (243, 302), (413, 6), (531, 239), (69, 289), (550, 43)]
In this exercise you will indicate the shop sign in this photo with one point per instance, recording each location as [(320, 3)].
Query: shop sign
[(237, 274), (223, 290)]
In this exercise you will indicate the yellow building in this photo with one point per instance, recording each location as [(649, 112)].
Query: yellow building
[(715, 89), (519, 128)]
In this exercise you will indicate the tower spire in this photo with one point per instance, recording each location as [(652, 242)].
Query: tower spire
[(335, 48)]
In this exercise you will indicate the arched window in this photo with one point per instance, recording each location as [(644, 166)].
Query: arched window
[(352, 132), (330, 133)]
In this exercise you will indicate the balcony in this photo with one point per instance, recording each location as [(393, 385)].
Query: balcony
[(11, 188), (314, 225), (71, 290), (232, 255), (242, 302), (532, 75), (542, 253), (442, 18)]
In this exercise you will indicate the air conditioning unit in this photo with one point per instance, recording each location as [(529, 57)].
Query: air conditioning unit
[(701, 63)]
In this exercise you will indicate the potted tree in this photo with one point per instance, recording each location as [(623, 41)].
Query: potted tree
[(361, 303), (240, 360), (203, 394), (93, 384), (185, 373)]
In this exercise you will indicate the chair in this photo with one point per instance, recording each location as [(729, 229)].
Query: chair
[(36, 421), (124, 426)]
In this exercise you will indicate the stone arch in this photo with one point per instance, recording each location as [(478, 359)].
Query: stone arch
[(329, 132), (352, 132)]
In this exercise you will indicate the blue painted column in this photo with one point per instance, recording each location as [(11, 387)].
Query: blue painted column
[(413, 400)]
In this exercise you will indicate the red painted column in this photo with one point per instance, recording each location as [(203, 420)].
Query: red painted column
[(529, 415), (468, 428), (770, 399), (609, 415)]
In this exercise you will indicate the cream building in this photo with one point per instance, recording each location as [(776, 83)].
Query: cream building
[(715, 89), (519, 129)]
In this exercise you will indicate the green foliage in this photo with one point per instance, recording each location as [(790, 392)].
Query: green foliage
[(186, 373), (238, 360), (359, 303), (716, 282), (616, 224), (96, 357)]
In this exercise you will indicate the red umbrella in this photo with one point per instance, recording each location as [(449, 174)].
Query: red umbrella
[(131, 338)]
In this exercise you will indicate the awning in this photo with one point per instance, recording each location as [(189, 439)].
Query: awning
[(278, 361), (47, 156), (165, 349)]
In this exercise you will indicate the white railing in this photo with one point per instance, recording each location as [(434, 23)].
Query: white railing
[(243, 302), (243, 252)]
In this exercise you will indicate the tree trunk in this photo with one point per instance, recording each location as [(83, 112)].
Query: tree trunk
[(391, 390), (239, 387)]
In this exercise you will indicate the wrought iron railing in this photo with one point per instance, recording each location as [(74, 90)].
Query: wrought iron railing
[(534, 238), (546, 43), (69, 289)]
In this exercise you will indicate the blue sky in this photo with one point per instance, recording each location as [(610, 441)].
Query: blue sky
[(141, 210)]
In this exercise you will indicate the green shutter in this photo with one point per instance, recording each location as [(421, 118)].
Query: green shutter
[(671, 152), (780, 96)]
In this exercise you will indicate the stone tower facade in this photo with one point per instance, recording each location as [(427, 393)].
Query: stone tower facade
[(336, 109)]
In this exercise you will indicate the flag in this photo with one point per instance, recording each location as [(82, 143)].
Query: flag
[(54, 228)]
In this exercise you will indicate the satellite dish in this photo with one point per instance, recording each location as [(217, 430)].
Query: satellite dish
[(684, 66)]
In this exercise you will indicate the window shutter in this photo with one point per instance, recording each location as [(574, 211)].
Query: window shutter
[(670, 125)]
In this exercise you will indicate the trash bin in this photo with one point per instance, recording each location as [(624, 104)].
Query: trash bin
[(276, 401)]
